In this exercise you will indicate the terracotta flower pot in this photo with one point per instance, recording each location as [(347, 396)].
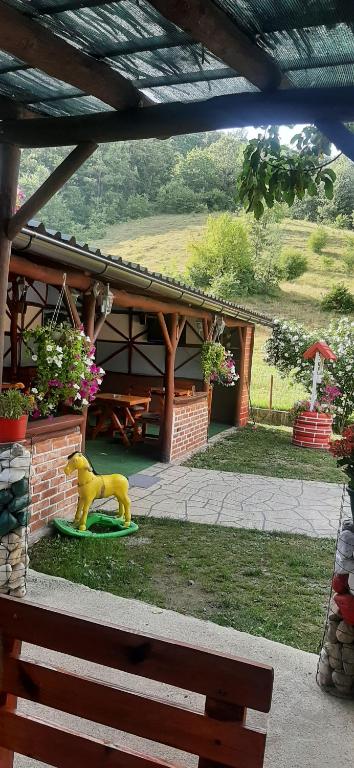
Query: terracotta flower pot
[(312, 430), (13, 429)]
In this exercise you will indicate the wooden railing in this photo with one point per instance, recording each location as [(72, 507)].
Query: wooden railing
[(219, 736)]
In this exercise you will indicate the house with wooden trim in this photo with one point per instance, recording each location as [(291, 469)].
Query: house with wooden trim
[(148, 342)]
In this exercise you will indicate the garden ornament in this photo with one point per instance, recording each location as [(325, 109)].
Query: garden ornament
[(319, 352), (92, 486)]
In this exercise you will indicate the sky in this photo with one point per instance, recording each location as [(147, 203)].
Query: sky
[(285, 133)]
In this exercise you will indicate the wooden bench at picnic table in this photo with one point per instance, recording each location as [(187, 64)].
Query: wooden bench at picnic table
[(219, 735)]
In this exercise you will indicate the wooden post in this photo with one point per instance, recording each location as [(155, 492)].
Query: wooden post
[(89, 311), (206, 384), (241, 380), (13, 329), (9, 168), (271, 392), (221, 710), (171, 340)]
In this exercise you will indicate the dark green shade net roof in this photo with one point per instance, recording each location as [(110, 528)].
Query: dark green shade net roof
[(311, 40)]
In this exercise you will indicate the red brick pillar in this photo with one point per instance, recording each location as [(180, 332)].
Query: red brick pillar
[(245, 365)]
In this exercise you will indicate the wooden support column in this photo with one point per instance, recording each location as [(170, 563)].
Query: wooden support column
[(89, 310), (13, 329), (206, 384), (9, 168), (171, 341), (241, 380)]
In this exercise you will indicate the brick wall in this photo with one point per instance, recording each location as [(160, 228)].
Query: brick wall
[(190, 425), (245, 377), (53, 494)]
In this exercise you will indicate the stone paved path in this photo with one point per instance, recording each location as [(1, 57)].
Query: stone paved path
[(244, 501)]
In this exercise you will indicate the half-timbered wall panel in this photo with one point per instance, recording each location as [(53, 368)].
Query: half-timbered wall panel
[(148, 359)]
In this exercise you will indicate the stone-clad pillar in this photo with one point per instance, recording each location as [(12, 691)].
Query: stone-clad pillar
[(336, 665), (15, 462)]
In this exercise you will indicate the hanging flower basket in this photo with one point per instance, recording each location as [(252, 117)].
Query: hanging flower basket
[(66, 370), (218, 365)]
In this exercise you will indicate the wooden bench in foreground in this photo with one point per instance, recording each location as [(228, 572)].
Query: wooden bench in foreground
[(219, 736)]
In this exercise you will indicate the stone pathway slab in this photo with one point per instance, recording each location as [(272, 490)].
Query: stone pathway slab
[(245, 501)]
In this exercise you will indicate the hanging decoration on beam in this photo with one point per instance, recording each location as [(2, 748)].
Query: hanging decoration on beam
[(273, 173)]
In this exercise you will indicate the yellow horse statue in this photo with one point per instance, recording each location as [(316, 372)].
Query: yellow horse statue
[(93, 486)]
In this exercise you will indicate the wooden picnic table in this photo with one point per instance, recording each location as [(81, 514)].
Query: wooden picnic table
[(9, 385), (118, 408)]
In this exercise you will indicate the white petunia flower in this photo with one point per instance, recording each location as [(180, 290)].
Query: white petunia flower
[(34, 390), (84, 401), (35, 358)]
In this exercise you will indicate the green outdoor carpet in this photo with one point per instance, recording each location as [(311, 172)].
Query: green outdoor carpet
[(108, 456), (215, 428)]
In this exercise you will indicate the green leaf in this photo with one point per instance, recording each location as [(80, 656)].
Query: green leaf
[(329, 172), (258, 209), (328, 189)]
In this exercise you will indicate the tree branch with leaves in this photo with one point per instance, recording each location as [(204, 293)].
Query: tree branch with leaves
[(272, 172)]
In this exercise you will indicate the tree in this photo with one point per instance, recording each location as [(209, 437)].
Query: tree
[(197, 170), (285, 350), (223, 249), (273, 173), (293, 263), (318, 240)]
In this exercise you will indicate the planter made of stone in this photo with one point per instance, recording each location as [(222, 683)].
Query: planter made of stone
[(15, 462)]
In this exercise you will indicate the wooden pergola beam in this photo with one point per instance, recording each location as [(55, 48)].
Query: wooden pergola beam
[(48, 275), (49, 187), (208, 24), (40, 48), (83, 282), (10, 109), (339, 135), (297, 105)]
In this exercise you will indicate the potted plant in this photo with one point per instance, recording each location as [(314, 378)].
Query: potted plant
[(67, 374), (14, 409), (343, 451)]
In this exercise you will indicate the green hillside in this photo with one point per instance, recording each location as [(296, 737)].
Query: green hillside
[(160, 243)]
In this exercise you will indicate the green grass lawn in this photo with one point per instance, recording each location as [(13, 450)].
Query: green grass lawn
[(269, 584), (160, 243), (267, 451)]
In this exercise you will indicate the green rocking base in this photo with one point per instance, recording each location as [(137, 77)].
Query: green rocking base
[(97, 519)]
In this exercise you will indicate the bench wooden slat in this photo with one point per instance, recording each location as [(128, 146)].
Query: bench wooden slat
[(240, 681), (226, 713), (226, 743), (65, 749)]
